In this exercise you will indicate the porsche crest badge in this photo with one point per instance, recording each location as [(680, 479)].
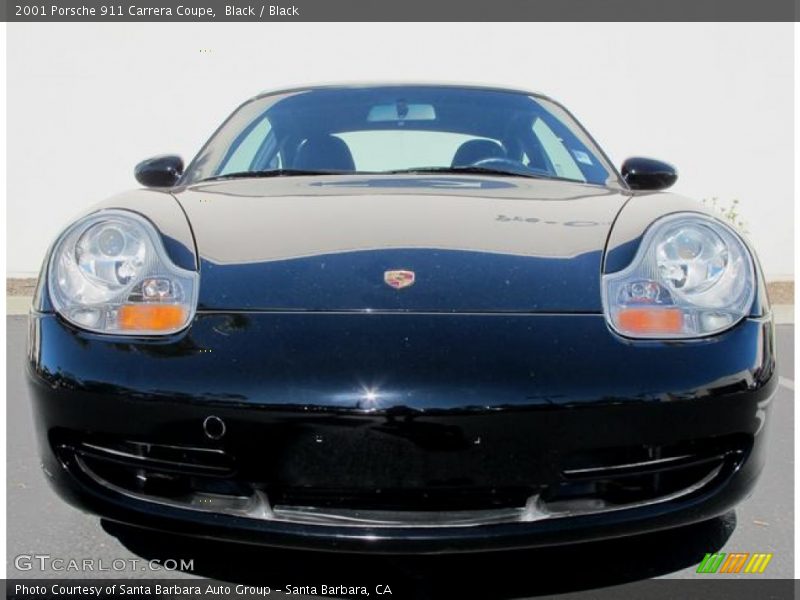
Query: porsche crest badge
[(398, 279)]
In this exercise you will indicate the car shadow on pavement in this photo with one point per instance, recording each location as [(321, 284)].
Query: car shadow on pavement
[(502, 574)]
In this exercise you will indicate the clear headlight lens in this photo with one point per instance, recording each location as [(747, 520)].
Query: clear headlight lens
[(692, 276), (109, 273)]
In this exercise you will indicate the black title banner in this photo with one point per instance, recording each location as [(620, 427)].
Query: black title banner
[(406, 11)]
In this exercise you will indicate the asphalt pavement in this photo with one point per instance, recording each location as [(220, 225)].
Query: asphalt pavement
[(41, 524)]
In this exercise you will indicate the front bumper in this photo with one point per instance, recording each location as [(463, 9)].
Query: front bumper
[(402, 432)]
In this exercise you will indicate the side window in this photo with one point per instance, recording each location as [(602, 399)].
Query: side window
[(245, 154), (563, 162)]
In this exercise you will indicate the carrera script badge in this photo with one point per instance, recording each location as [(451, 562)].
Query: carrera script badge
[(398, 279)]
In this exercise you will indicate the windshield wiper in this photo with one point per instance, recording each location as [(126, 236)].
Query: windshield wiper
[(275, 173), (469, 169)]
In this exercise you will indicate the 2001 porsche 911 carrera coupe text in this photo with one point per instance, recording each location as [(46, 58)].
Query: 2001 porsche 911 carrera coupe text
[(402, 318)]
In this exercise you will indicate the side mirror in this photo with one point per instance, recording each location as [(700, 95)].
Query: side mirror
[(648, 174), (159, 171)]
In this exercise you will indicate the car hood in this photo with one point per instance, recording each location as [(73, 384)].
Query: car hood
[(474, 244)]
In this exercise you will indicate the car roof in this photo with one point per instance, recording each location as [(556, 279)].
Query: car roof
[(385, 84)]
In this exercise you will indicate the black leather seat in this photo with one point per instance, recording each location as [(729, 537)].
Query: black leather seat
[(472, 151), (324, 153)]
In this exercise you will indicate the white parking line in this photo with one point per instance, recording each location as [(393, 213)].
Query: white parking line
[(786, 382)]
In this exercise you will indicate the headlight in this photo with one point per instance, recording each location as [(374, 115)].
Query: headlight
[(109, 273), (692, 276)]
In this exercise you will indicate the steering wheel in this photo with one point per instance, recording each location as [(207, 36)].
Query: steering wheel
[(510, 165)]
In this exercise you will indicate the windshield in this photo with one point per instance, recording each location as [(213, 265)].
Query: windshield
[(396, 129)]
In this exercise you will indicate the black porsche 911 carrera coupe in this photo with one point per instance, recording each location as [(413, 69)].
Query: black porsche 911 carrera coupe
[(402, 318)]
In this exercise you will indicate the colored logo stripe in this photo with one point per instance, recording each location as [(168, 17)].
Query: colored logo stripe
[(734, 562), (711, 563), (758, 562)]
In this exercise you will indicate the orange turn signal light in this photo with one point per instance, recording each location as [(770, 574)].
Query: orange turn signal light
[(151, 317), (650, 320)]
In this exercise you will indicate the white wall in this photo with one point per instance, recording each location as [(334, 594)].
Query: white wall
[(86, 102)]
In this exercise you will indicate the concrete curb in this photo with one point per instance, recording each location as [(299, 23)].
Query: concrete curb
[(19, 305), (784, 314)]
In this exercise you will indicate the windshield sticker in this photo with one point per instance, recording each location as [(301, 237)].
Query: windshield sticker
[(582, 157)]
